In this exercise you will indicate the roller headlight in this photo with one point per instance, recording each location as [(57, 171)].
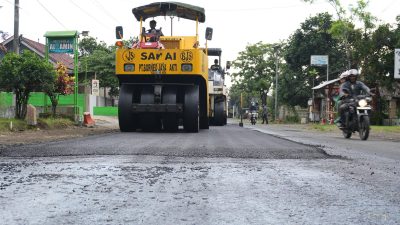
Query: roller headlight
[(362, 103), (129, 67), (187, 67)]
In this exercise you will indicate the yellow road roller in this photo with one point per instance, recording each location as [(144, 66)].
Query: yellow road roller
[(163, 79), (216, 85)]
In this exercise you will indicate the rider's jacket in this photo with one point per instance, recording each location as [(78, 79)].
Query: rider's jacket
[(354, 88)]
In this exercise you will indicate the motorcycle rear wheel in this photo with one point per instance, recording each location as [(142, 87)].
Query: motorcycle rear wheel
[(364, 128)]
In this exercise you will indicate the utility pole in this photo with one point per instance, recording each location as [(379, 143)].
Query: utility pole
[(276, 48), (16, 27)]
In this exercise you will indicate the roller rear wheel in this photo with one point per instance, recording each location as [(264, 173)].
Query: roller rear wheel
[(219, 113), (127, 120), (191, 109), (170, 120), (148, 120)]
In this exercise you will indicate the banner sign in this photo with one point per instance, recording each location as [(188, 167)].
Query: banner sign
[(319, 60), (95, 87), (397, 63), (64, 45)]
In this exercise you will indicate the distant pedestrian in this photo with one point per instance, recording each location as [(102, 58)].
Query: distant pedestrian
[(265, 114)]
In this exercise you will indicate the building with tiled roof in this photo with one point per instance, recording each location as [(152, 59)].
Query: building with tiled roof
[(39, 49)]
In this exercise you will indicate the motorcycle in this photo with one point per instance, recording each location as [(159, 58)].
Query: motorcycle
[(357, 116), (253, 117)]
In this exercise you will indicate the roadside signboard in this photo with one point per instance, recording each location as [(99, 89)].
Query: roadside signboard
[(61, 42), (61, 45), (319, 60), (95, 87), (397, 63)]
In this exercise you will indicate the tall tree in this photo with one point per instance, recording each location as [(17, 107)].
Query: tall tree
[(256, 69), (313, 38), (100, 59), (340, 28), (23, 74), (89, 44), (102, 62)]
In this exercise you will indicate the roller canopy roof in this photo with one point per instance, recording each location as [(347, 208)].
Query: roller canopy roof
[(181, 10)]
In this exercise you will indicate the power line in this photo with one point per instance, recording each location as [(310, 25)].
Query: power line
[(9, 2), (48, 11), (88, 14), (261, 9), (388, 6), (99, 5)]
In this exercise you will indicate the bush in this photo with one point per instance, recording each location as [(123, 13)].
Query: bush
[(54, 123), (292, 119), (377, 118)]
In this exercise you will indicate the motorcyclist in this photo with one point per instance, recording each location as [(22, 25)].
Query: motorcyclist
[(253, 110), (253, 106), (349, 89), (342, 78)]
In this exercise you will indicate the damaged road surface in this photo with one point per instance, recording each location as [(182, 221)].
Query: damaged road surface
[(225, 175)]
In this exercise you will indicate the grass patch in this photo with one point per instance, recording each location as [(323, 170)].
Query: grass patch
[(43, 123), (377, 129), (386, 129), (54, 123), (17, 125), (323, 128)]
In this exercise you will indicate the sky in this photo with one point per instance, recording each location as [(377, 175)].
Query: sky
[(236, 23)]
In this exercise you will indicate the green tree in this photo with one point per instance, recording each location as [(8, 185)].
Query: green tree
[(102, 62), (354, 41), (88, 45), (99, 59), (313, 38), (341, 28), (23, 74), (256, 69), (62, 84), (235, 92)]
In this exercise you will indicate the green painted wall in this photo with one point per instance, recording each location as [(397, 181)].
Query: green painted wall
[(38, 99), (5, 99), (105, 111)]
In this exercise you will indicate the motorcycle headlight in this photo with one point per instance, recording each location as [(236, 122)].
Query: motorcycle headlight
[(362, 103)]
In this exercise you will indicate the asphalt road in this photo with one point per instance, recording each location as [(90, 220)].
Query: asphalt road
[(226, 175), (230, 141)]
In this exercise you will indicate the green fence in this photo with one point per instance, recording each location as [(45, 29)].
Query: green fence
[(105, 111), (40, 99), (5, 99)]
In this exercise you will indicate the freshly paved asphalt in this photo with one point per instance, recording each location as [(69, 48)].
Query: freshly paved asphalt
[(225, 175)]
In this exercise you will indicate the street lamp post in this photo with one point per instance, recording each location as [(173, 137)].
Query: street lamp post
[(276, 49), (241, 110)]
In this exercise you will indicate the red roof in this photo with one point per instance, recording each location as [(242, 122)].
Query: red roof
[(40, 48), (63, 58)]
